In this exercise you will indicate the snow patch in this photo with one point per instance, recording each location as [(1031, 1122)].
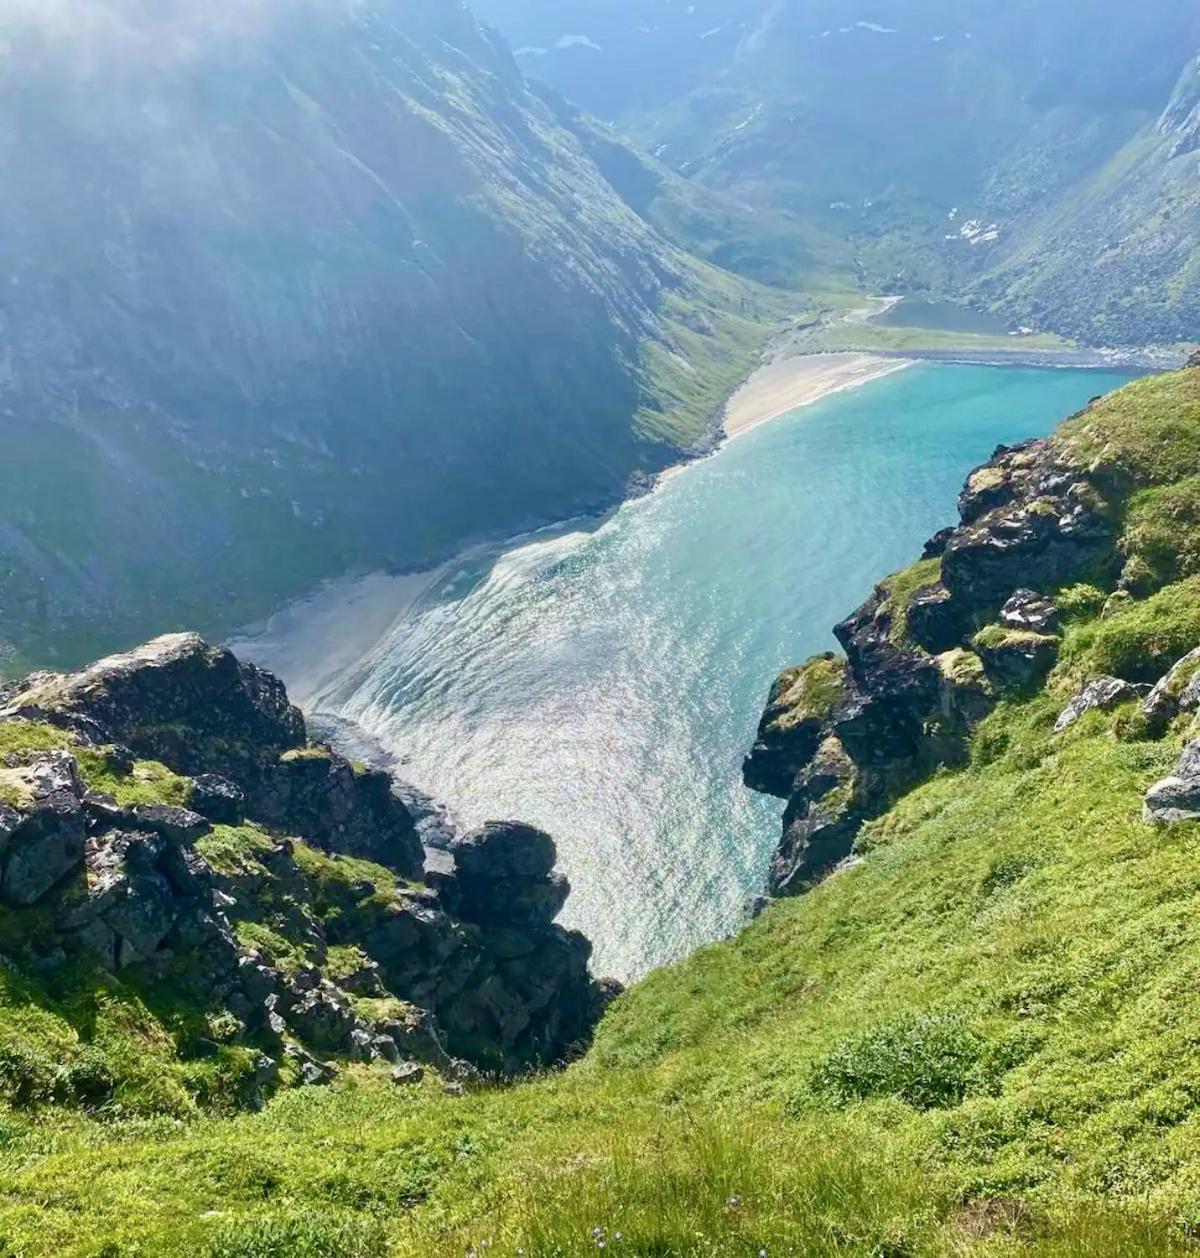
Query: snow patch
[(578, 41)]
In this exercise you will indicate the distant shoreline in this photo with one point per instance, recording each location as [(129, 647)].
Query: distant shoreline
[(315, 641), (778, 388)]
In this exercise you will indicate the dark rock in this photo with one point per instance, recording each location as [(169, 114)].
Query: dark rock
[(218, 799), (935, 620), (1101, 695), (176, 699), (1193, 359), (408, 1073), (45, 840), (1020, 660), (1027, 513), (504, 875), (1031, 612), (935, 547), (313, 1071), (318, 795), (364, 981), (322, 1016), (177, 825)]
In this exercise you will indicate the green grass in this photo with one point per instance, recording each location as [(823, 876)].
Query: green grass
[(1139, 642), (714, 337), (1147, 433), (981, 1040), (809, 692)]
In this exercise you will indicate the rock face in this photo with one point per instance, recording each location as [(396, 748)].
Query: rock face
[(289, 891), (930, 653)]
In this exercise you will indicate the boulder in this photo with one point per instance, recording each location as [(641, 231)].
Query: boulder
[(408, 1073), (1030, 612), (1177, 692), (1100, 695), (218, 799), (504, 875), (1193, 359), (1177, 798), (1173, 800)]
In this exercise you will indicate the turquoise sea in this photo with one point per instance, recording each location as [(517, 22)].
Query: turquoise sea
[(605, 684)]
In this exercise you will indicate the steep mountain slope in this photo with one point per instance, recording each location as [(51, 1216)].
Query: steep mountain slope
[(293, 287), (1119, 251), (938, 141), (980, 1039)]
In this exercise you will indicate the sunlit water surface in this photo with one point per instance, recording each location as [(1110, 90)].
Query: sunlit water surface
[(606, 684)]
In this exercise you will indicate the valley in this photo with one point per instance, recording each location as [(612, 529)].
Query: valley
[(599, 629)]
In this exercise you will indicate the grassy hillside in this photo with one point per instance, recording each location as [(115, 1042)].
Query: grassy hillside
[(979, 1040)]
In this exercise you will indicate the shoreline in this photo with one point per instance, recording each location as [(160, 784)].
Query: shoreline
[(787, 384), (316, 640)]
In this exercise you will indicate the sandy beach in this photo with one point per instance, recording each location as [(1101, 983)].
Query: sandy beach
[(311, 642), (782, 386)]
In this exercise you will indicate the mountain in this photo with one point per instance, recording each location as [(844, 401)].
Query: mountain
[(951, 148), (974, 1033), (1118, 252), (296, 288)]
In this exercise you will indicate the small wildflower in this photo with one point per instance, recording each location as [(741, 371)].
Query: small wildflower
[(597, 1232), (618, 1237), (734, 1202)]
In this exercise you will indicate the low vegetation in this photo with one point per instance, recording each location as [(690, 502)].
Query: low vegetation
[(981, 1039), (976, 1042)]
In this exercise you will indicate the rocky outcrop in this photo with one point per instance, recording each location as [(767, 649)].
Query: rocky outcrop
[(177, 700), (928, 656), (1175, 693), (1102, 694), (229, 725), (290, 892), (1177, 798)]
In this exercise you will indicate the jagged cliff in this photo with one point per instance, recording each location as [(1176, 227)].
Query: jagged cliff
[(1097, 518), (165, 821)]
